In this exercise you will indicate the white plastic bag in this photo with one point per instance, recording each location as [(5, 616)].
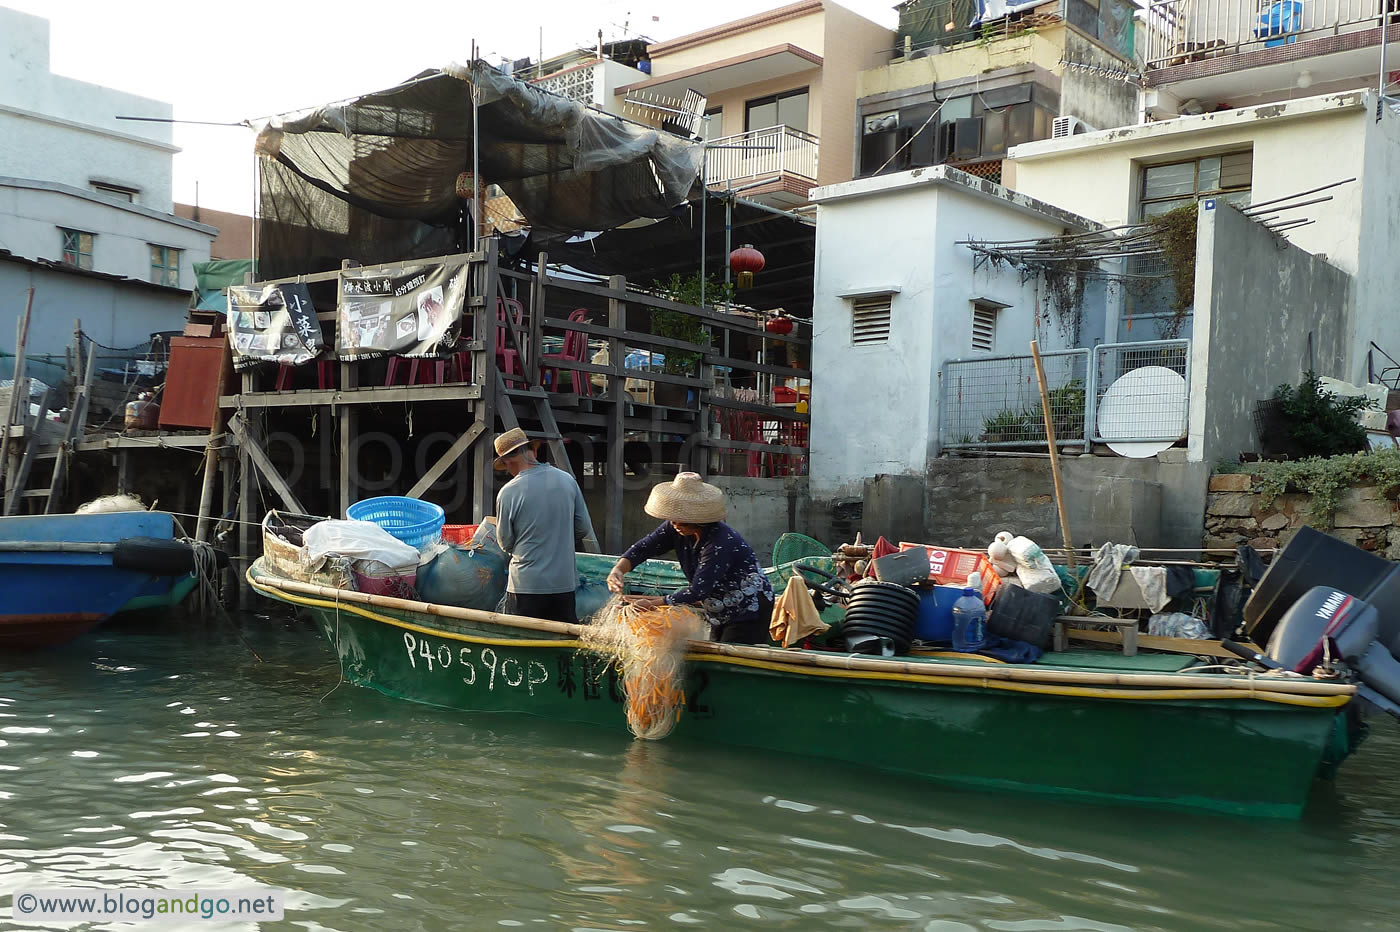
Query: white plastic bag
[(359, 540), (1033, 567)]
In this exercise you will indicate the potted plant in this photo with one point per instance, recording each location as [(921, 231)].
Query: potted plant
[(678, 325)]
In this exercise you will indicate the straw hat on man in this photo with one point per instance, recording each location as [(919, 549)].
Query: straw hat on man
[(726, 581), (539, 513)]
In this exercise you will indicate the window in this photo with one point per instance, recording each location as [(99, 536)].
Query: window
[(870, 320), (1149, 308), (984, 324), (115, 190), (712, 127), (787, 109), (1166, 187), (165, 265), (970, 128), (77, 248)]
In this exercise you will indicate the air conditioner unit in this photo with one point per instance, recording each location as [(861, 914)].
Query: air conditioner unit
[(1068, 126)]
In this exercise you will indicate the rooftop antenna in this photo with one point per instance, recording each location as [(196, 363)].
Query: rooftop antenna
[(687, 111)]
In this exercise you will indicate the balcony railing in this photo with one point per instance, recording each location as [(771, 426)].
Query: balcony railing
[(760, 154), (1181, 31)]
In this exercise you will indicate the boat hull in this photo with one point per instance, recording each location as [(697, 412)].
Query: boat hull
[(1242, 756), (48, 597)]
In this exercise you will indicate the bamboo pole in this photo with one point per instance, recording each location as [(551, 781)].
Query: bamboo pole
[(18, 393), (1054, 452), (1246, 685)]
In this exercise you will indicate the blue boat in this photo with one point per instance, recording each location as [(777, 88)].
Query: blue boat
[(61, 575)]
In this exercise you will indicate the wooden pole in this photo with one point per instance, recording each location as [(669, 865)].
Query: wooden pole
[(616, 472), (26, 463), (19, 394), (1054, 451), (77, 420), (211, 467)]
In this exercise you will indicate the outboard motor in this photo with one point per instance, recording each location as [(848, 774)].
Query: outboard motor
[(1327, 625)]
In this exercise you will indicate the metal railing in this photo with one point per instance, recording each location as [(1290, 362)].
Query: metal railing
[(994, 401), (1180, 31), (761, 153)]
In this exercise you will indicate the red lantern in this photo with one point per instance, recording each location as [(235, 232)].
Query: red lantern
[(781, 324), (743, 262)]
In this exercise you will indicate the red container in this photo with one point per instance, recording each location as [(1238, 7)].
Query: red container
[(398, 585), (950, 567), (784, 396), (459, 534)]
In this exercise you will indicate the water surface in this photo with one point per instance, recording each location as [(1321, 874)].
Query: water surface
[(163, 755)]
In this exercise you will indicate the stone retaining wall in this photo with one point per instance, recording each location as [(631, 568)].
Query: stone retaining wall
[(1235, 514)]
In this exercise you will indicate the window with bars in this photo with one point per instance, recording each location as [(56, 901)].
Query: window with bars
[(77, 248), (870, 320), (984, 324), (165, 265)]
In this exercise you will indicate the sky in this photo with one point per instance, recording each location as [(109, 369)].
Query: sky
[(221, 61)]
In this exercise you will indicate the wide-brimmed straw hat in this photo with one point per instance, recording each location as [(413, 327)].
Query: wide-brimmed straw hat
[(687, 499), (508, 442)]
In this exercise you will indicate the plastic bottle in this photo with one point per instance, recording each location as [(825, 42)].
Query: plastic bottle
[(969, 620)]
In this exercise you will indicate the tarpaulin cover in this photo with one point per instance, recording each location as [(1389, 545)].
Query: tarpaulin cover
[(211, 278), (272, 323), (411, 310), (375, 178)]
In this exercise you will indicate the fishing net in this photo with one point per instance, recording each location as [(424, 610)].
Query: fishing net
[(648, 646)]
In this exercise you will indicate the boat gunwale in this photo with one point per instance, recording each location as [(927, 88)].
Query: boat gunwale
[(1180, 685)]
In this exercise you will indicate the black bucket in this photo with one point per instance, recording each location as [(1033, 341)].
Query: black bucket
[(880, 610)]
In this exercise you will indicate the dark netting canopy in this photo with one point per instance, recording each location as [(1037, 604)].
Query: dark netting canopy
[(375, 179)]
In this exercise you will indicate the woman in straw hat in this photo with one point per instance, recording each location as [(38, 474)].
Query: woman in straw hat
[(726, 581)]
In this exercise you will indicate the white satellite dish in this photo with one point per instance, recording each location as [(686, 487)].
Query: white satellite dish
[(1147, 402)]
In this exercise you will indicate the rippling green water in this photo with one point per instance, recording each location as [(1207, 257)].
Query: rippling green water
[(163, 756)]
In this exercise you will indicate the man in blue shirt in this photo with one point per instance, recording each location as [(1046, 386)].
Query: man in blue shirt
[(726, 581), (539, 513)]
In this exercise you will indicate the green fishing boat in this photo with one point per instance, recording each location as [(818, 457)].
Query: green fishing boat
[(1088, 724)]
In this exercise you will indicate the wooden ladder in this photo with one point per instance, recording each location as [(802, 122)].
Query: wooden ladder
[(537, 397)]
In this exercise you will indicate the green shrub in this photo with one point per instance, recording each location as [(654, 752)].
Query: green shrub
[(1320, 422), (1324, 478)]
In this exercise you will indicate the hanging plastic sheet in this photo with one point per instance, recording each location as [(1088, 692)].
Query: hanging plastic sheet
[(376, 178), (409, 310), (272, 323)]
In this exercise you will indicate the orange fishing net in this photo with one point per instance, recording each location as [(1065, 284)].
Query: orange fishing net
[(648, 646)]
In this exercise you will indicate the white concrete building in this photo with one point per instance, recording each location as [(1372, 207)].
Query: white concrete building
[(896, 297), (82, 190), (925, 306), (1254, 155)]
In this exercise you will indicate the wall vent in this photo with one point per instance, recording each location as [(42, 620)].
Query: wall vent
[(870, 320), (984, 326)]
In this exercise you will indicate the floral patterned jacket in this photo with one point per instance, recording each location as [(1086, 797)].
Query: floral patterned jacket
[(726, 581)]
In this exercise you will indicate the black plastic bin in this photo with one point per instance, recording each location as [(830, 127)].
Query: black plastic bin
[(1022, 615)]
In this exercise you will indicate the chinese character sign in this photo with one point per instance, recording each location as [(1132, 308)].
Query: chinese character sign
[(408, 311), (272, 323)]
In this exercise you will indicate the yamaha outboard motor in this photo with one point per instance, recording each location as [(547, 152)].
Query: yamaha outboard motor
[(1327, 626)]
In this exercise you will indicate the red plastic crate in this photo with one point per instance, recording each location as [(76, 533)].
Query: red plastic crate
[(460, 534), (951, 567)]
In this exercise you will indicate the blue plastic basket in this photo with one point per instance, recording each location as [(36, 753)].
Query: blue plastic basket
[(412, 520)]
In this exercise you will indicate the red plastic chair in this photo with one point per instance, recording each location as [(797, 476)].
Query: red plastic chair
[(325, 375), (420, 371), (575, 350)]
